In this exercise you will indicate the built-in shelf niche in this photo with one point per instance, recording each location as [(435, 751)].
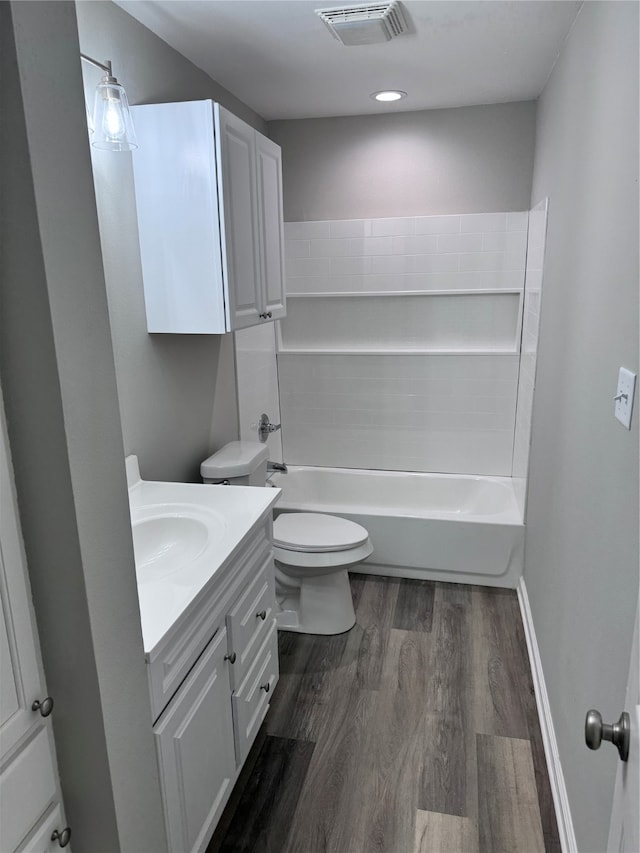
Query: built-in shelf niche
[(442, 322)]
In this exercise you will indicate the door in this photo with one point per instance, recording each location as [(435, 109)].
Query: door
[(194, 738), (235, 155), (30, 799), (624, 831), (269, 168)]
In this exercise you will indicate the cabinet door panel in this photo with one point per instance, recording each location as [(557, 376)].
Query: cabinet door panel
[(195, 744), (269, 166), (175, 181), (29, 782), (235, 142)]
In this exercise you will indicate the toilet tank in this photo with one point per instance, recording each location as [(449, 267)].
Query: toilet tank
[(242, 463)]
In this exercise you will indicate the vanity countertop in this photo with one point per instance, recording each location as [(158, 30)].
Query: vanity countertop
[(185, 537)]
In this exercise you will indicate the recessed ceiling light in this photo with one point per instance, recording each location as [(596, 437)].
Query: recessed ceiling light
[(388, 95)]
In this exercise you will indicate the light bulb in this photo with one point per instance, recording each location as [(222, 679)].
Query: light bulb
[(388, 95), (112, 124)]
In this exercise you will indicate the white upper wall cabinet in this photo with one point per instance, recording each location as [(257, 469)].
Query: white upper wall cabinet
[(209, 200)]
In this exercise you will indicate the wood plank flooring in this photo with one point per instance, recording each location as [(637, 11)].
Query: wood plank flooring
[(415, 732)]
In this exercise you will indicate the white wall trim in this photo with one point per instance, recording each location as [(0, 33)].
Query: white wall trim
[(556, 777)]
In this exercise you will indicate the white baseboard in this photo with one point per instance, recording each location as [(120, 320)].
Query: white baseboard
[(556, 777)]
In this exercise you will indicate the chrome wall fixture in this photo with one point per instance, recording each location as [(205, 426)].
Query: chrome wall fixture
[(265, 427), (112, 124)]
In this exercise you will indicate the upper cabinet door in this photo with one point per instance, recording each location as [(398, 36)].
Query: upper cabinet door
[(178, 219), (269, 168), (237, 191)]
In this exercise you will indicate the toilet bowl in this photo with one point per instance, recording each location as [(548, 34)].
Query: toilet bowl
[(312, 551)]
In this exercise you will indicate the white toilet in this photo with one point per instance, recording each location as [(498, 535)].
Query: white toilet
[(312, 551)]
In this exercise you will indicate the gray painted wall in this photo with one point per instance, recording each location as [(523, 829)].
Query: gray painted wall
[(176, 392), (61, 404), (463, 160), (581, 565)]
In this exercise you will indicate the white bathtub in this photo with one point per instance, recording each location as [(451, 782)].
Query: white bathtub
[(431, 526)]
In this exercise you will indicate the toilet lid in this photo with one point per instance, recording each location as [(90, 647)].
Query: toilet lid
[(315, 532)]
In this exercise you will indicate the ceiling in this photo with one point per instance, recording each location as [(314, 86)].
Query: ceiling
[(279, 58)]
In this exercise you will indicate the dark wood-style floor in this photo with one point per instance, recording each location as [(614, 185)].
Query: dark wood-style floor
[(415, 732)]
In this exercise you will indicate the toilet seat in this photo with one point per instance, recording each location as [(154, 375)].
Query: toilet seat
[(316, 533)]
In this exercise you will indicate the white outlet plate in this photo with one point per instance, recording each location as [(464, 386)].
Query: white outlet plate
[(624, 396)]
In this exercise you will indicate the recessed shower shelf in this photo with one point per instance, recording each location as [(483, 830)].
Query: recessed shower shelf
[(477, 322), (366, 294), (381, 351)]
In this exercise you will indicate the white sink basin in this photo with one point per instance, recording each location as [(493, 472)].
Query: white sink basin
[(170, 537), (184, 538)]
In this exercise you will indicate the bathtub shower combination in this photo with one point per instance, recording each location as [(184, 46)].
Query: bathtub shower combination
[(425, 526), (409, 347)]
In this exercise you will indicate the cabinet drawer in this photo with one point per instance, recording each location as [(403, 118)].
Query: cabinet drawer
[(194, 740), (251, 702), (40, 841), (28, 786), (248, 622), (173, 660)]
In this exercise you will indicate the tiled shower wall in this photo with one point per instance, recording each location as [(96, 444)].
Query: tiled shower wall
[(530, 324), (407, 253), (359, 390)]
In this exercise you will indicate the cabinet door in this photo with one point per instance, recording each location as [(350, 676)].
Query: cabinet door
[(269, 169), (237, 189), (29, 783), (194, 738), (178, 218)]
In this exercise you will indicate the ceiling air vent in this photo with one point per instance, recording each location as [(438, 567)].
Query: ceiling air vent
[(365, 24)]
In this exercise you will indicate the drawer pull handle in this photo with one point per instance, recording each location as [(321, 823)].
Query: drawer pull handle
[(266, 687), (231, 658), (262, 615), (45, 707), (63, 838)]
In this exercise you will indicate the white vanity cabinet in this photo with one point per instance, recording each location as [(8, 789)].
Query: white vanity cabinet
[(209, 201), (211, 679)]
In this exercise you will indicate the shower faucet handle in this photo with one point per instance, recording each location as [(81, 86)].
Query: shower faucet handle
[(265, 427)]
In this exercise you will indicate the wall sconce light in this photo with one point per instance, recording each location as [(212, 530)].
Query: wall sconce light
[(112, 124)]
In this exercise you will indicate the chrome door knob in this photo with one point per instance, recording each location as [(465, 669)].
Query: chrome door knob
[(619, 734)]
